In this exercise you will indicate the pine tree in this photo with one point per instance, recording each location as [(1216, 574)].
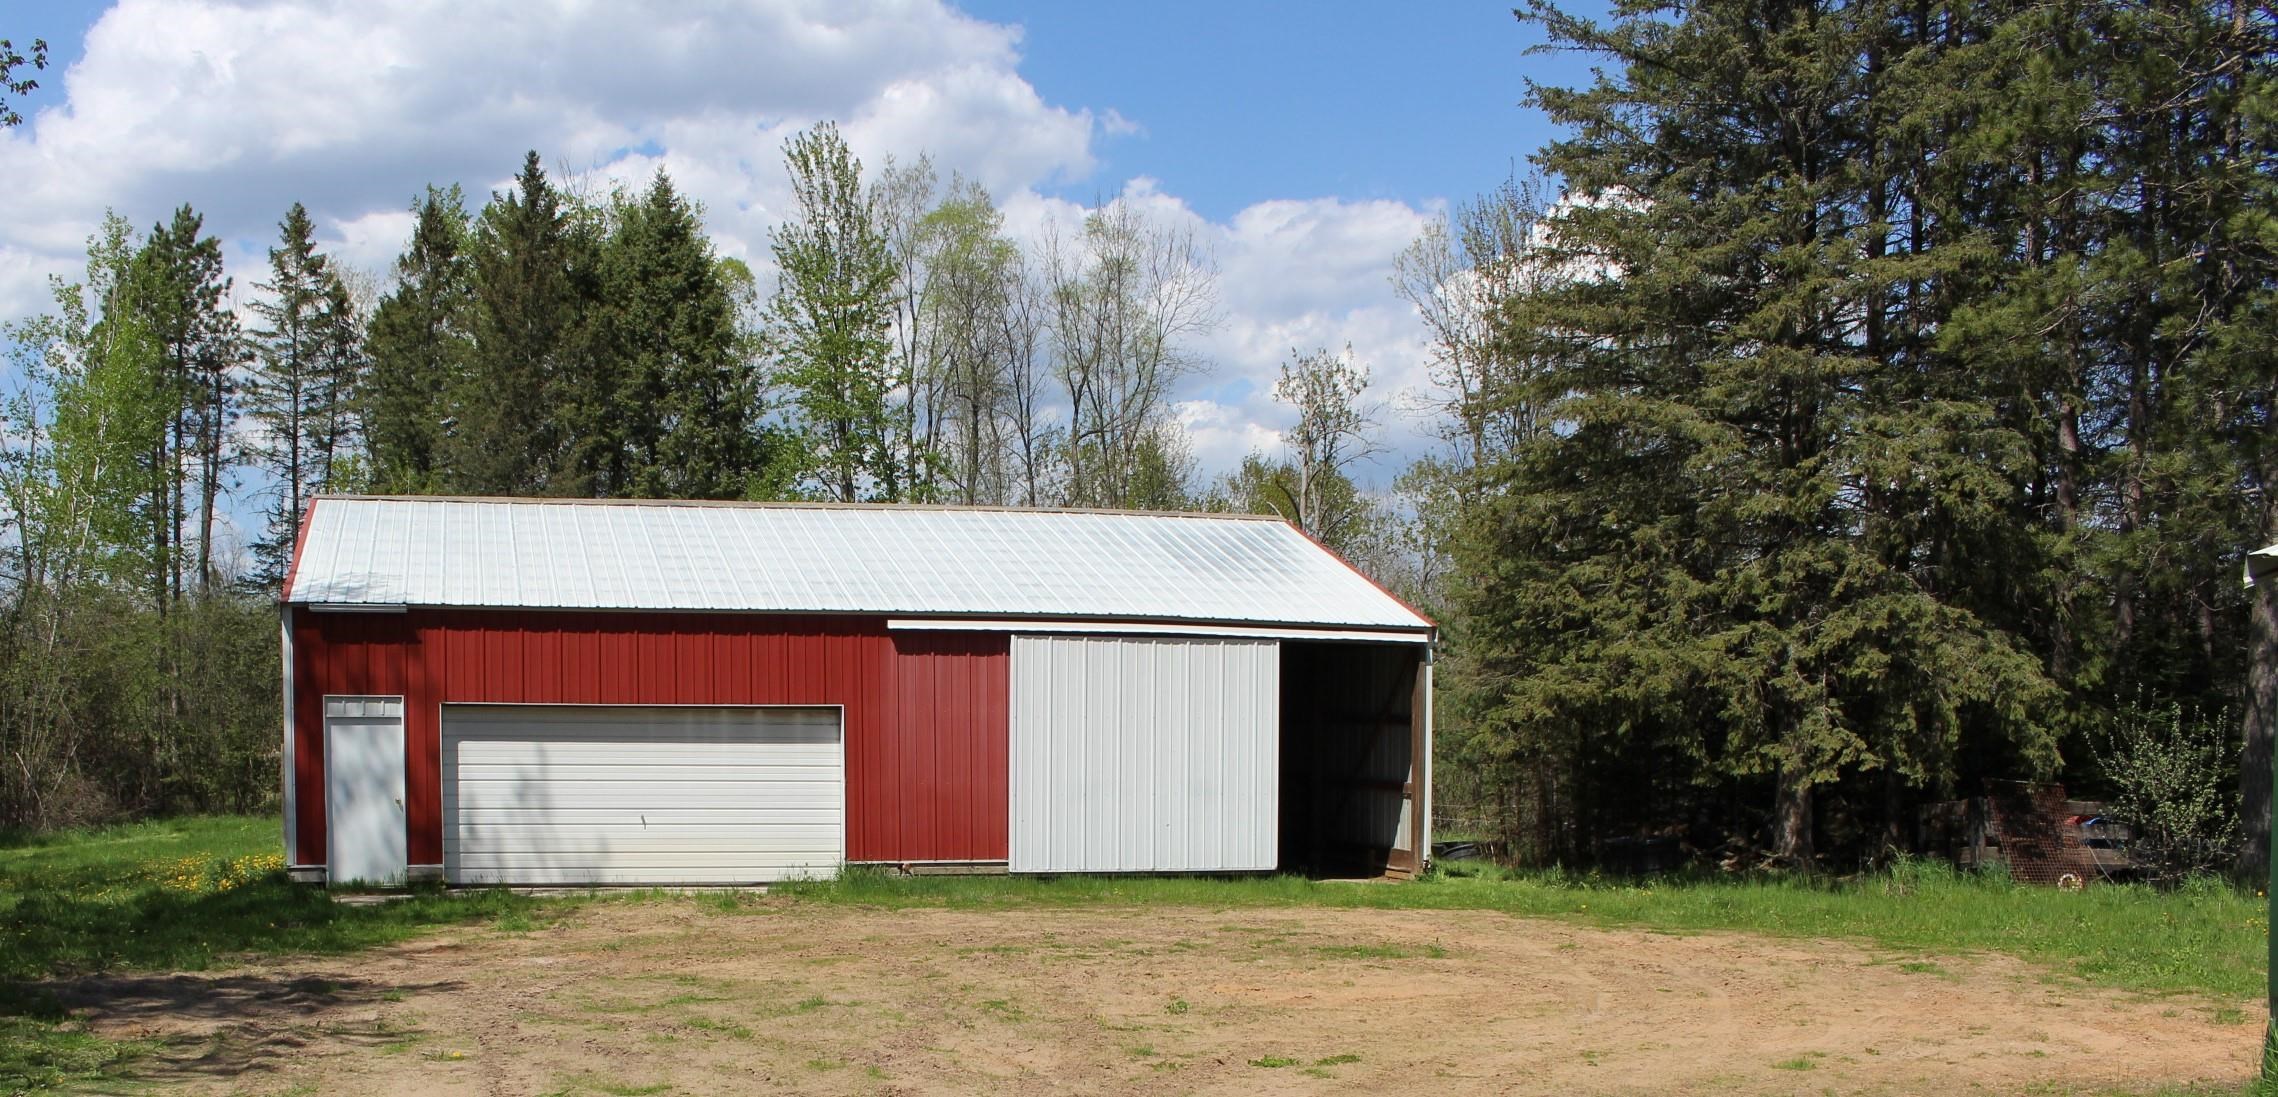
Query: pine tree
[(419, 348), (299, 393), (184, 291), (1727, 558), (685, 400), (506, 432)]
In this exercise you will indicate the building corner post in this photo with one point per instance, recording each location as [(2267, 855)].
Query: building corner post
[(287, 794)]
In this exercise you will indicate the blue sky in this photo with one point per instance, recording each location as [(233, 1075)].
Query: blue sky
[(1244, 102), (1304, 145), (1241, 102)]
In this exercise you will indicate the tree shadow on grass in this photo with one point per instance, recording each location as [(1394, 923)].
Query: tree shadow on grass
[(60, 932), (81, 997), (228, 1026)]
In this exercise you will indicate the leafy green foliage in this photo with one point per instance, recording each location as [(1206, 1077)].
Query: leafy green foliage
[(104, 663), (12, 84), (830, 317), (2170, 773), (971, 341)]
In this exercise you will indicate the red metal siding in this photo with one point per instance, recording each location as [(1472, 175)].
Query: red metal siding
[(925, 712)]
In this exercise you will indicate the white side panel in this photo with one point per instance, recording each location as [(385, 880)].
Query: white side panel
[(1424, 850), (630, 795), (365, 833), (1134, 754)]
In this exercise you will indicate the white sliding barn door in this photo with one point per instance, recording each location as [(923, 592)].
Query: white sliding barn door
[(1137, 754)]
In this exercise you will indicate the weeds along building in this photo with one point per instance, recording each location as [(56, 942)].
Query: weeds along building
[(548, 692)]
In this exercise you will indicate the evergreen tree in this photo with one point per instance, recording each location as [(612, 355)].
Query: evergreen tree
[(686, 396), (183, 293), (300, 391), (505, 428), (419, 348), (1729, 556)]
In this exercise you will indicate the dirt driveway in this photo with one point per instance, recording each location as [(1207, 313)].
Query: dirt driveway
[(682, 997)]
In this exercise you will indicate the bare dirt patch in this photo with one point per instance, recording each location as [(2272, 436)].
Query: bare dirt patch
[(682, 997)]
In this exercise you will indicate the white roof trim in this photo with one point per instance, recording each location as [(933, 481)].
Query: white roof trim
[(1152, 628)]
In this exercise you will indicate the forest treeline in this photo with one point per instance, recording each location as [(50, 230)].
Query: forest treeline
[(557, 342), (1860, 401)]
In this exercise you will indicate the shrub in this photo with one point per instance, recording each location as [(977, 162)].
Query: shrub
[(2170, 771)]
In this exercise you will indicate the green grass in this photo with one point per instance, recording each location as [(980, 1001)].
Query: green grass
[(113, 899), (2207, 938), (192, 893), (180, 895)]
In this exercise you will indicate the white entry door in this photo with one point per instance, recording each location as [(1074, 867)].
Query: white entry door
[(365, 831), (600, 794)]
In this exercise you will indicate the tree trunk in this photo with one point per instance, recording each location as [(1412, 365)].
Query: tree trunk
[(2067, 519), (1792, 822)]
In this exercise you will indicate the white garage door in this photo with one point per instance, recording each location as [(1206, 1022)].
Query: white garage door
[(619, 795)]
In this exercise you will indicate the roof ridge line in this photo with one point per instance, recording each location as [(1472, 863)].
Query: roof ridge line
[(756, 504)]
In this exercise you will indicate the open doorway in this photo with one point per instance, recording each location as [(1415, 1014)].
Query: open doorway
[(1354, 734)]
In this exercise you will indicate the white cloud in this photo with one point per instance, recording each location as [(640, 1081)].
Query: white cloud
[(241, 107)]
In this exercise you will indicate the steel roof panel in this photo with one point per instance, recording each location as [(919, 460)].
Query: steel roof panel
[(912, 561)]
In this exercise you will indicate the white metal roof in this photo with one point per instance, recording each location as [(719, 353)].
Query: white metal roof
[(948, 561)]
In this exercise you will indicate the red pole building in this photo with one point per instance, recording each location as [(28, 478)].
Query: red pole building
[(551, 692)]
